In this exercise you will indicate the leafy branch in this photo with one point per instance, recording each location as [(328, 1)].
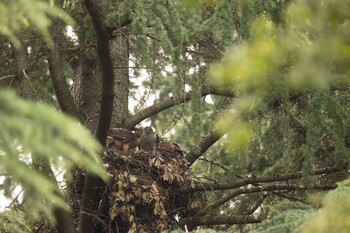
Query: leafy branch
[(38, 130)]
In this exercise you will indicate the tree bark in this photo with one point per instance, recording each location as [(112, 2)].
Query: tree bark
[(261, 188), (56, 69), (91, 185), (205, 144), (191, 223), (120, 56), (255, 179), (21, 65), (64, 223), (166, 103), (87, 89)]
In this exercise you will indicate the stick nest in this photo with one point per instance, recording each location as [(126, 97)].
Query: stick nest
[(142, 195)]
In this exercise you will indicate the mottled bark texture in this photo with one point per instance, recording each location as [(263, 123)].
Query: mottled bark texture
[(87, 88), (21, 64), (119, 48), (92, 184)]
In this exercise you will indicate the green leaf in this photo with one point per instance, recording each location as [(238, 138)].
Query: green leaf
[(18, 14), (30, 129)]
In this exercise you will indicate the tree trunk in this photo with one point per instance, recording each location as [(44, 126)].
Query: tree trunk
[(119, 48), (86, 93), (87, 89)]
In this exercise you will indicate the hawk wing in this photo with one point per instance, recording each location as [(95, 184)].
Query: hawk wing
[(169, 149), (123, 139), (122, 135)]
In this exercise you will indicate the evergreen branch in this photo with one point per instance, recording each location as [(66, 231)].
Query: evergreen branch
[(80, 48), (303, 131), (92, 183), (191, 223), (172, 101), (255, 179), (261, 188), (55, 135)]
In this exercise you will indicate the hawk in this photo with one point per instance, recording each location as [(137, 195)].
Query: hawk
[(148, 140), (124, 140), (169, 149)]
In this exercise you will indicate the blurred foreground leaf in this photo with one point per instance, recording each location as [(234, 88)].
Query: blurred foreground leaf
[(334, 216), (30, 129), (309, 51), (17, 14)]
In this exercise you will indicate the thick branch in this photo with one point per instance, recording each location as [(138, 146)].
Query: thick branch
[(91, 183), (191, 223), (56, 69), (254, 180), (123, 22), (172, 101), (107, 71), (204, 145)]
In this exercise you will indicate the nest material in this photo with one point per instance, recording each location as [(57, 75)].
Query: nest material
[(142, 194)]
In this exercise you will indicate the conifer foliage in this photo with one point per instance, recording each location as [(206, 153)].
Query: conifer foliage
[(249, 101)]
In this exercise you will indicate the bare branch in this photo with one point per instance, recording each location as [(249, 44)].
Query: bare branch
[(289, 197), (204, 145), (212, 162), (191, 223), (255, 205), (256, 179), (273, 187), (56, 69), (7, 76), (172, 101)]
